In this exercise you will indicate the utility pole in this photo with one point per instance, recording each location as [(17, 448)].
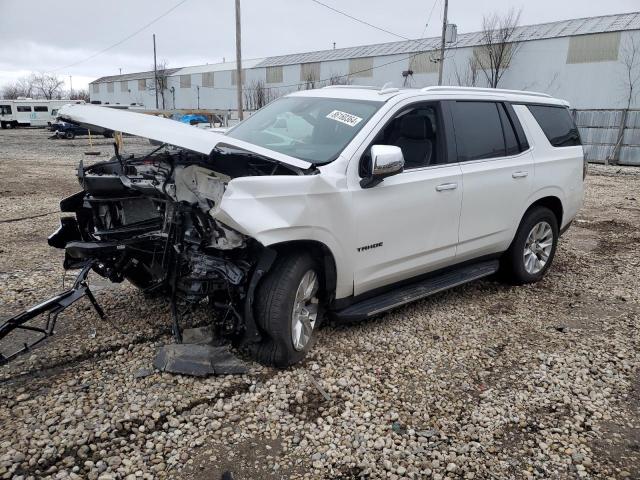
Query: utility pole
[(155, 70), (442, 44), (239, 61), (70, 88)]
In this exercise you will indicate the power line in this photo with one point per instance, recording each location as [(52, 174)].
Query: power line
[(123, 40), (360, 20)]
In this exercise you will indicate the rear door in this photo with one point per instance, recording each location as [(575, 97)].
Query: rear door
[(497, 173)]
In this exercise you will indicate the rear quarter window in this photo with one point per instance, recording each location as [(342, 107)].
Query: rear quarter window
[(557, 125)]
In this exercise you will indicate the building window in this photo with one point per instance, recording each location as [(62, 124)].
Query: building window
[(361, 67), (208, 79), (234, 77), (124, 87), (597, 47), (40, 108), (274, 74), (142, 84), (185, 81), (110, 87), (310, 72), (423, 63), (96, 88)]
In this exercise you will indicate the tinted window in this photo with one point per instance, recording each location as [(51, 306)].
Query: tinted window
[(510, 139), (557, 125), (478, 130), (40, 109), (23, 108), (416, 131)]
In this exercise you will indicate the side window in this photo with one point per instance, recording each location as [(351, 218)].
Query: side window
[(5, 109), (478, 130), (416, 131), (23, 108), (40, 108), (510, 139), (557, 125)]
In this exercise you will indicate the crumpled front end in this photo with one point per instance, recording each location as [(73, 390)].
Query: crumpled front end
[(149, 220)]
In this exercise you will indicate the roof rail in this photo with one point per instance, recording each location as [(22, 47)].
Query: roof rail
[(365, 87), (484, 90)]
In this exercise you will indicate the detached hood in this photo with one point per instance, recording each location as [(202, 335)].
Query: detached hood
[(164, 130)]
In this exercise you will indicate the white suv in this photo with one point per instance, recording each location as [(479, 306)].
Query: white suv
[(347, 201)]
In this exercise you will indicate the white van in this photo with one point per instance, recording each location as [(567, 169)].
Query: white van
[(28, 112)]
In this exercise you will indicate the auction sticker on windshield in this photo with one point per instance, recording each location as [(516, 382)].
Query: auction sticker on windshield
[(344, 117)]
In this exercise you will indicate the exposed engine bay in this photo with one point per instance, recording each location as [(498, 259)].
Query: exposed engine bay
[(149, 219)]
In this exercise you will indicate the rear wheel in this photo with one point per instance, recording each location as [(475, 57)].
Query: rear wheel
[(288, 309), (69, 135), (3, 125), (533, 248)]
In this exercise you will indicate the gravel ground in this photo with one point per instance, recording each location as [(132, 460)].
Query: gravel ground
[(484, 381)]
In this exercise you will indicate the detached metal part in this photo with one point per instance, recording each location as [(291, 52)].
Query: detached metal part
[(52, 308), (197, 356)]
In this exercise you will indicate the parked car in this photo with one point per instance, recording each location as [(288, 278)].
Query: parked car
[(339, 201), (70, 130)]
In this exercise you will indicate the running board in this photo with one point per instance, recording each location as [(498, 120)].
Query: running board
[(415, 291)]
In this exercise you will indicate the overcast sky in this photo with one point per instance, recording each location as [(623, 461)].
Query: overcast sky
[(38, 35)]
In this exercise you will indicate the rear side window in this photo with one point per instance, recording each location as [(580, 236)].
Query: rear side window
[(23, 108), (557, 125), (39, 108), (478, 130)]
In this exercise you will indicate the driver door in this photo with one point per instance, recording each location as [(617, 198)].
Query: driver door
[(408, 224)]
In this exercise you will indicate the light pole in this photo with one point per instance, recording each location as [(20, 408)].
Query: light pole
[(198, 88), (239, 61), (173, 95), (442, 44)]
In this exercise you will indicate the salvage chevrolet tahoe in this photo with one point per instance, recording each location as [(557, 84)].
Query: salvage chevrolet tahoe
[(343, 201)]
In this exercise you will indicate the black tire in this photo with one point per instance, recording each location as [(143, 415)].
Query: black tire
[(273, 309), (3, 125), (107, 134), (69, 135), (513, 268)]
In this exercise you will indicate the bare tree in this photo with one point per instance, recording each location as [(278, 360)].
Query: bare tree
[(469, 77), (497, 48), (309, 82), (46, 85), (339, 79), (257, 95), (162, 81), (631, 82), (22, 87), (80, 94)]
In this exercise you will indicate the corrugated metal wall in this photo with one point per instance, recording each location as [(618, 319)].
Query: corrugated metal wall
[(599, 130)]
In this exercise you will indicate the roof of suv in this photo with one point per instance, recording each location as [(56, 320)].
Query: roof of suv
[(377, 94)]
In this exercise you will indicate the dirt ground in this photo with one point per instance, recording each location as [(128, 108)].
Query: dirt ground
[(484, 381)]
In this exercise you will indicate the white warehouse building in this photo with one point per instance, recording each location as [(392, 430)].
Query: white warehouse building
[(580, 60)]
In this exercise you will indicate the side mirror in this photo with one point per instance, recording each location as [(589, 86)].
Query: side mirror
[(386, 160)]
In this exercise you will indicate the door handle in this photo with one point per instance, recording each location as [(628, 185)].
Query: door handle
[(520, 174), (446, 186)]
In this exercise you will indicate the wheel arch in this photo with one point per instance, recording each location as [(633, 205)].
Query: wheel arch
[(322, 253), (551, 202)]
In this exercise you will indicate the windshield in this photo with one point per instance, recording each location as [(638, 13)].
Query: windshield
[(309, 128)]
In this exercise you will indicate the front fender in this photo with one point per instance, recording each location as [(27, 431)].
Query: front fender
[(279, 209)]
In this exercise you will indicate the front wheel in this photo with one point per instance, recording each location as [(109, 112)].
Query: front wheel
[(288, 309), (69, 135), (533, 248)]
